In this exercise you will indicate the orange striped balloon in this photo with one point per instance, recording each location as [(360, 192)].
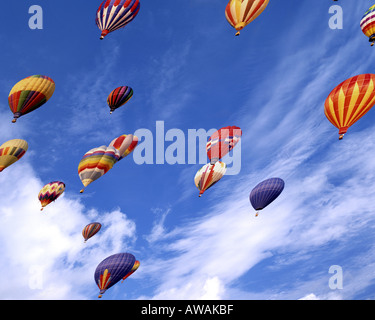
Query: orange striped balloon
[(240, 13), (350, 101)]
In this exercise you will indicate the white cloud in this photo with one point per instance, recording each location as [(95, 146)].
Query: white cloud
[(43, 253)]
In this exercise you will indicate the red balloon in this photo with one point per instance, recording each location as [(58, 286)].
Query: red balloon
[(222, 141)]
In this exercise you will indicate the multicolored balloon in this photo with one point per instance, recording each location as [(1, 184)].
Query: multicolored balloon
[(90, 230), (222, 142), (50, 192), (368, 24), (125, 144), (115, 14), (119, 97), (240, 13), (208, 175), (29, 94), (95, 163), (266, 192), (112, 269), (134, 269), (350, 101), (11, 151)]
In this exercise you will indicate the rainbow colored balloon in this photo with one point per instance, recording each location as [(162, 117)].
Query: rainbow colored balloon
[(95, 163), (30, 94), (119, 97), (368, 24), (90, 230)]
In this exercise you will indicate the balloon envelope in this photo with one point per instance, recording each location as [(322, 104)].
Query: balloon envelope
[(95, 163), (350, 101), (119, 97), (240, 13), (50, 192), (222, 142), (29, 94), (208, 175), (368, 24), (125, 144), (11, 151), (115, 14), (266, 192), (90, 230), (112, 269)]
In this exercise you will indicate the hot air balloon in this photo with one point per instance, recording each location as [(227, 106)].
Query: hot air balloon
[(266, 192), (350, 101), (112, 269), (134, 269), (119, 97), (222, 141), (95, 163), (11, 151), (368, 24), (90, 230), (115, 14), (240, 13), (29, 94), (208, 175), (50, 192), (125, 144)]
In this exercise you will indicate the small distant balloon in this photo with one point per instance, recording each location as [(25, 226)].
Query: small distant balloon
[(208, 175), (50, 192), (29, 94), (90, 230), (95, 163), (115, 14), (240, 13), (265, 193), (112, 269), (119, 97), (368, 24), (11, 151)]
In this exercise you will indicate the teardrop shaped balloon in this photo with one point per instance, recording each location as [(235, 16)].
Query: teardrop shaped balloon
[(222, 142), (368, 24), (11, 151), (134, 269), (112, 269), (350, 101), (30, 94), (125, 144), (240, 13), (95, 163), (115, 14), (266, 192), (119, 97), (90, 230), (50, 192), (208, 175)]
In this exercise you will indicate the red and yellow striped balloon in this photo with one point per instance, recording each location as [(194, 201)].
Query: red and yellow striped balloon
[(29, 94), (368, 24), (240, 13), (350, 101), (90, 230), (11, 151)]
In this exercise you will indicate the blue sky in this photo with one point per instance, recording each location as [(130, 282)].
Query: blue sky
[(188, 69)]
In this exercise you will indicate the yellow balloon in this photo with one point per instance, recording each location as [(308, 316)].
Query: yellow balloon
[(11, 151)]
